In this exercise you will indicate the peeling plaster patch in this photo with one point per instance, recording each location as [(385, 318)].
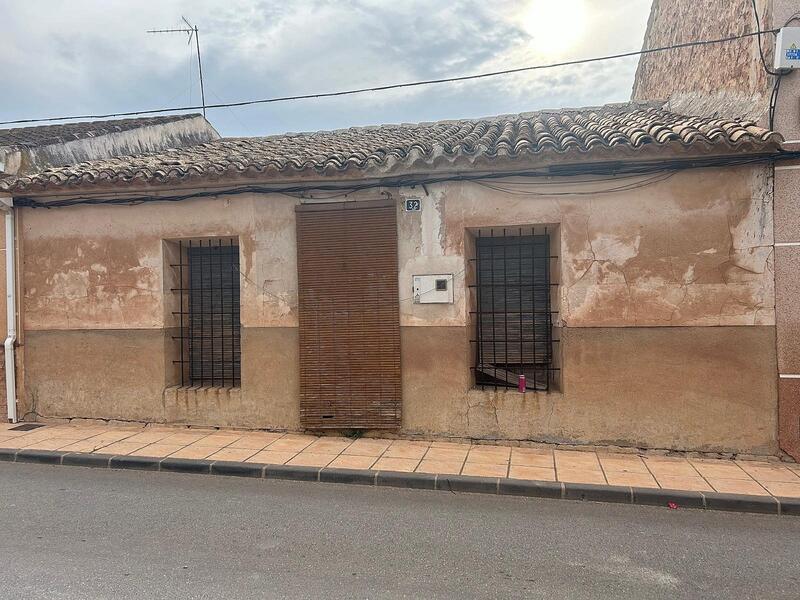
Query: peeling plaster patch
[(614, 248)]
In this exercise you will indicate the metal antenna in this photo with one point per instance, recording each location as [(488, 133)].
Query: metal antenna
[(191, 31)]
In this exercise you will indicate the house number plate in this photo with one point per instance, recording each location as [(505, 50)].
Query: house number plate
[(412, 204)]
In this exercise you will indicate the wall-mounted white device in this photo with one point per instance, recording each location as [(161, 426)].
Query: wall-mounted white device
[(787, 48), (433, 289)]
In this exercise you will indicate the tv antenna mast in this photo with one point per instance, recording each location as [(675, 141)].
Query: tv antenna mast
[(191, 31)]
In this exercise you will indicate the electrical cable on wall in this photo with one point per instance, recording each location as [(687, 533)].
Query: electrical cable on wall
[(393, 86)]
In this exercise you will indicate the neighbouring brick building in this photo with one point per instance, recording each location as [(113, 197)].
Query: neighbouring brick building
[(406, 276), (732, 80)]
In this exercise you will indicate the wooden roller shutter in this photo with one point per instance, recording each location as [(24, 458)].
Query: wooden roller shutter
[(349, 315)]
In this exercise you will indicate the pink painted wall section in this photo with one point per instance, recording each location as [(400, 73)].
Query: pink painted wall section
[(104, 267), (694, 249)]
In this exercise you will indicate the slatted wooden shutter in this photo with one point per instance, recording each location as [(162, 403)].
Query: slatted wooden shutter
[(349, 315)]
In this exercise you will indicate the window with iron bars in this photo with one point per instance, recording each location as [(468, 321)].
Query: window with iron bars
[(209, 336), (512, 309)]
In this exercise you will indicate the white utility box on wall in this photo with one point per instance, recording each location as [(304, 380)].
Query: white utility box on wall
[(787, 48), (433, 289)]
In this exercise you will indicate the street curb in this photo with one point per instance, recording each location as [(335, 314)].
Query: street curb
[(598, 493), (662, 497), (142, 463), (237, 469), (416, 481), (79, 459), (790, 506), (45, 457), (467, 483), (184, 465), (421, 481), (742, 503)]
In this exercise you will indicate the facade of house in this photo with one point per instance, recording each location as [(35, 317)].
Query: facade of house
[(734, 80), (405, 278)]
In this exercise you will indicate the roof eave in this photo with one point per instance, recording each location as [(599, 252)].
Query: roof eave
[(415, 165)]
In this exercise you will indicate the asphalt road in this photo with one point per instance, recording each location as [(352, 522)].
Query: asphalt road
[(73, 532)]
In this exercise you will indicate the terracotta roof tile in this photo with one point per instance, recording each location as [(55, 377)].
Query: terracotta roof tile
[(387, 149), (46, 135)]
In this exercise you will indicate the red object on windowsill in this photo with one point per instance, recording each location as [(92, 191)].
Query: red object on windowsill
[(522, 385)]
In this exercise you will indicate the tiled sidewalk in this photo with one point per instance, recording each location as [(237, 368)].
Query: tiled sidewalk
[(445, 458)]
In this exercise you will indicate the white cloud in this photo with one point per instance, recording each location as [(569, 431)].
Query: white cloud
[(94, 56)]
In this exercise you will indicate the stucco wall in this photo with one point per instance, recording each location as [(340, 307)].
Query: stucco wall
[(673, 279)]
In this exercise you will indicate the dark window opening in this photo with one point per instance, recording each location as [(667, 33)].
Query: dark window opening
[(513, 313), (210, 336)]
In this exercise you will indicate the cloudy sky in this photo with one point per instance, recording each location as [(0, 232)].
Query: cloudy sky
[(94, 56)]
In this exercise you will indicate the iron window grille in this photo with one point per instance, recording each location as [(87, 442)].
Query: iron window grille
[(513, 313), (209, 336)]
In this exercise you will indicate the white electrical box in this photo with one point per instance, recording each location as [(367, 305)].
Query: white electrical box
[(787, 48), (433, 289)]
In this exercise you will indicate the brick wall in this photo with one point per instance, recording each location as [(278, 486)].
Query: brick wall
[(715, 79)]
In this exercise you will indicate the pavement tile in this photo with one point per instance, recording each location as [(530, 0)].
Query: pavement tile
[(220, 439), (121, 448), (183, 438), (330, 445), (580, 475), (764, 472), (367, 447), (533, 473), (444, 467), (491, 455), (451, 445), (631, 478), (301, 437), (408, 450), (784, 489), (83, 446), (720, 469), (34, 435), (255, 441), (13, 434), (157, 450), (291, 444), (446, 454), (532, 457), (148, 437), (110, 437), (663, 467), (69, 434), (479, 469), (406, 465), (622, 463), (352, 461), (271, 457), (234, 454), (737, 486), (575, 460), (311, 459), (195, 451), (48, 444), (692, 483)]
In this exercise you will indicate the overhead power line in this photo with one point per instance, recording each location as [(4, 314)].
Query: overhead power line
[(394, 86)]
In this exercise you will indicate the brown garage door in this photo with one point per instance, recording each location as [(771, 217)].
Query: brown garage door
[(349, 316)]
